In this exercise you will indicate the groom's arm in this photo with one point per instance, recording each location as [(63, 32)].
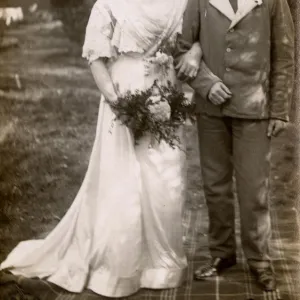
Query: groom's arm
[(204, 81), (191, 27)]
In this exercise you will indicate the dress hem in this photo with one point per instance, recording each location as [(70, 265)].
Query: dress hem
[(105, 284)]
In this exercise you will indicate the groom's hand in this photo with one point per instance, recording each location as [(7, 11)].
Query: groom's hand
[(275, 127), (219, 93)]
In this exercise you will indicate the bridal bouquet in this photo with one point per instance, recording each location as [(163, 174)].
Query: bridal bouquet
[(158, 111)]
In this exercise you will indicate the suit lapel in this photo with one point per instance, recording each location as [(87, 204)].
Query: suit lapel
[(224, 7), (244, 7)]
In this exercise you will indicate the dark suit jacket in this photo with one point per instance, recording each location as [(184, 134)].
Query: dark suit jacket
[(251, 51)]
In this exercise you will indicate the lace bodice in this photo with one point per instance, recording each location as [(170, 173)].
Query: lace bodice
[(107, 37)]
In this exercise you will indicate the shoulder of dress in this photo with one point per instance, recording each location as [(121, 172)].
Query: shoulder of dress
[(102, 4), (102, 10)]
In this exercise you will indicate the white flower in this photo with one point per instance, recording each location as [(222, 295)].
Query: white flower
[(164, 58), (159, 108), (158, 54), (155, 98), (161, 58), (155, 92), (187, 101)]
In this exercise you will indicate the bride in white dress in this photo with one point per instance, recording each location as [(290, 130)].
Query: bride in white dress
[(123, 231)]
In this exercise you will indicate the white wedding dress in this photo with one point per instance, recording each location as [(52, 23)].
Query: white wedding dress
[(123, 231)]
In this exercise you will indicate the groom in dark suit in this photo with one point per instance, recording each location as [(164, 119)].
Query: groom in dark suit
[(242, 97)]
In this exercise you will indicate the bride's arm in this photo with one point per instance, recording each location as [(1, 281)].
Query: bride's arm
[(97, 49), (189, 37), (103, 80), (188, 64)]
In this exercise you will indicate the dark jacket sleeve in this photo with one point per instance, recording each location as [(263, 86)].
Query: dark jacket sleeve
[(191, 27), (282, 60)]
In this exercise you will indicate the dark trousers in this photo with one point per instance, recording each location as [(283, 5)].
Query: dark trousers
[(242, 146)]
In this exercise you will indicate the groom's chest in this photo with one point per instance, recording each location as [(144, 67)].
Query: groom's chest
[(219, 16), (227, 37)]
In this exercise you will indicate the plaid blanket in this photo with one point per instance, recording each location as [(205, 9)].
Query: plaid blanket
[(237, 283)]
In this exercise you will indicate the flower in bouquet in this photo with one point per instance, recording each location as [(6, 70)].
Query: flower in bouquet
[(161, 61), (159, 108), (162, 58), (188, 101)]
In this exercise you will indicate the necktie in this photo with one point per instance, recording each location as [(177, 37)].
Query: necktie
[(234, 5)]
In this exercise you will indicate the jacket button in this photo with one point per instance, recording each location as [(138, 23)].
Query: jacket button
[(228, 50), (231, 30), (228, 69)]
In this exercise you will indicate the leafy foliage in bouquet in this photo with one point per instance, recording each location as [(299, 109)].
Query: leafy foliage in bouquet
[(181, 108), (158, 111)]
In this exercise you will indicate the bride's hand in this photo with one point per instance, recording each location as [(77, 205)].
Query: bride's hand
[(188, 65), (113, 101), (114, 98)]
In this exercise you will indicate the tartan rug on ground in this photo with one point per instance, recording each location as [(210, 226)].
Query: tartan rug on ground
[(237, 283)]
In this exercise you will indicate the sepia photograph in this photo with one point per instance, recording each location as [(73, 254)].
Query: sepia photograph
[(149, 149)]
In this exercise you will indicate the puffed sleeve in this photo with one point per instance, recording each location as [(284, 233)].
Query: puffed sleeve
[(99, 32)]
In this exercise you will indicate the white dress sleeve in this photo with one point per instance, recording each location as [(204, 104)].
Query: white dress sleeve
[(99, 33)]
